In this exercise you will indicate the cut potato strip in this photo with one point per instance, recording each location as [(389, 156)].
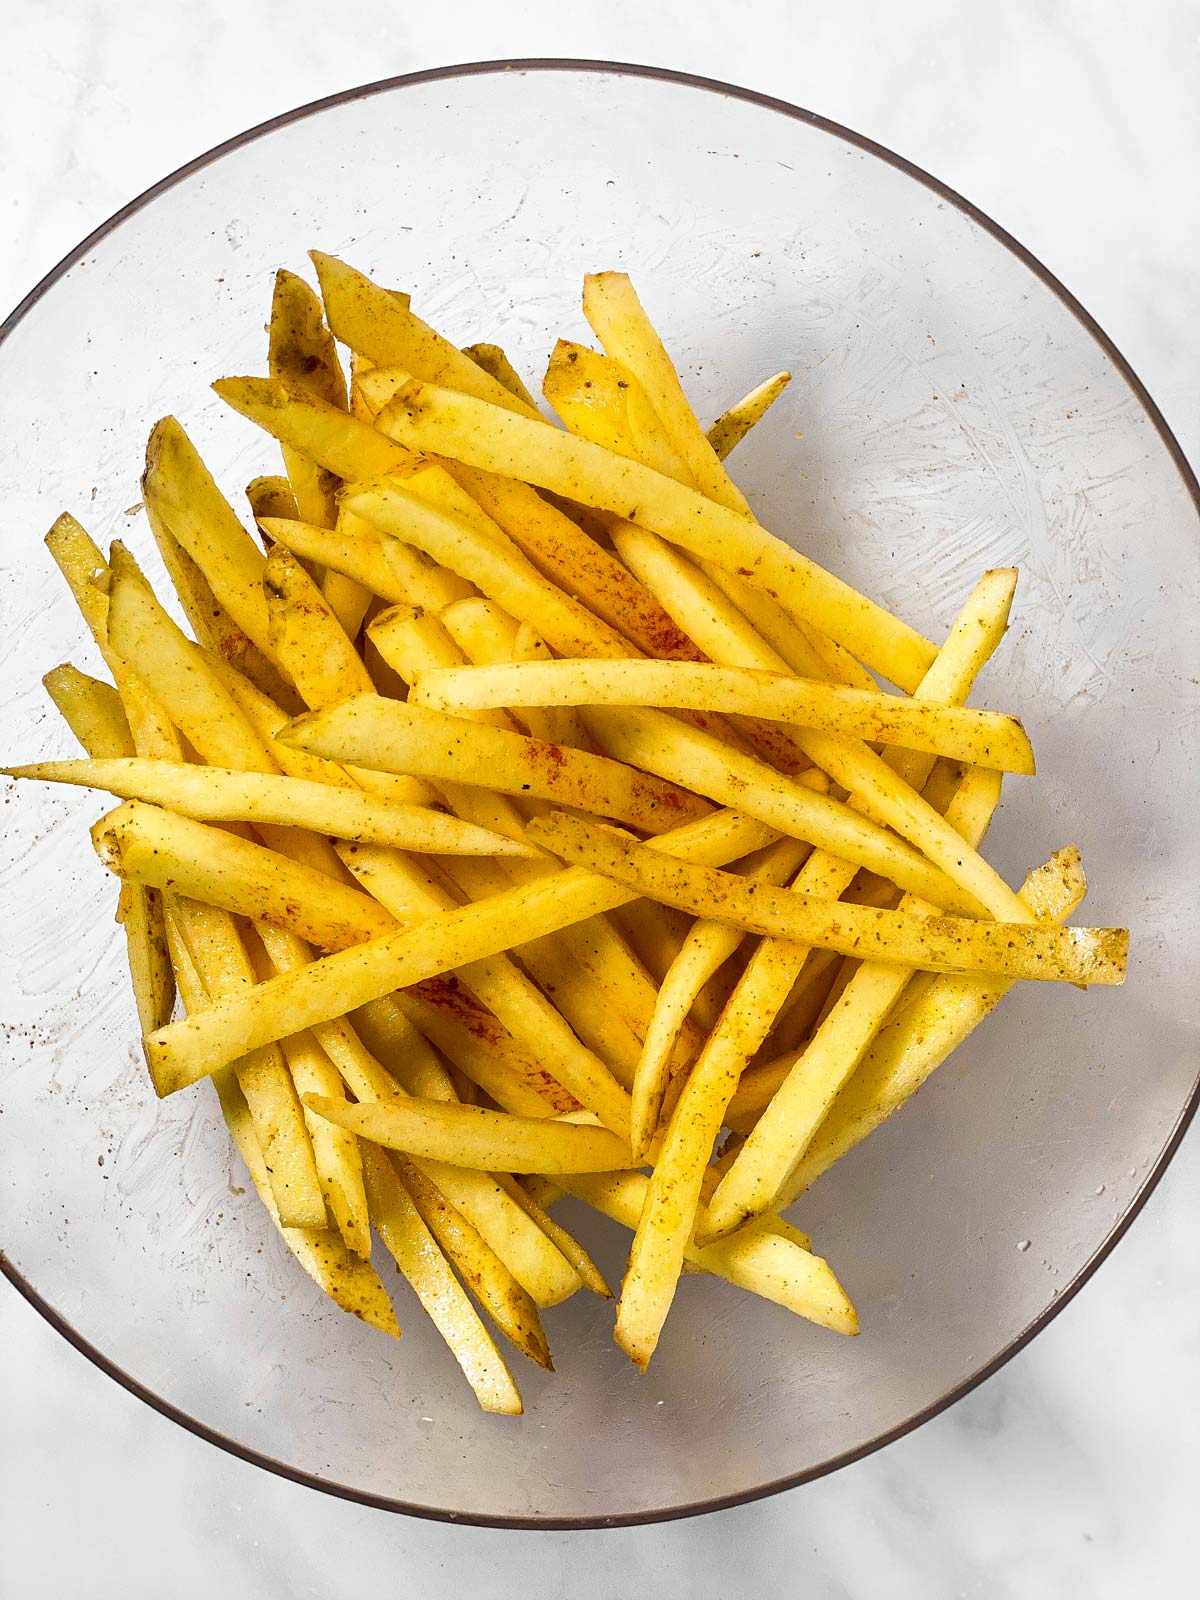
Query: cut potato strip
[(919, 1038), (355, 555), (342, 444), (732, 426), (420, 1259), (787, 1126), (148, 845), (371, 730), (184, 1051), (214, 794), (92, 710), (497, 365), (492, 1141), (426, 418), (936, 943), (984, 738)]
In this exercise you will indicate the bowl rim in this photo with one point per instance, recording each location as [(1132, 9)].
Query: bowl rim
[(1192, 486)]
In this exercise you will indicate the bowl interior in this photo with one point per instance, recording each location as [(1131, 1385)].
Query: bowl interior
[(948, 413)]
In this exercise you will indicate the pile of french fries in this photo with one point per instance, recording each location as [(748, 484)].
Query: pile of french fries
[(521, 818)]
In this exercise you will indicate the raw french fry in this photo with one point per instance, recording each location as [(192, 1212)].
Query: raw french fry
[(340, 443), (336, 1152), (706, 947), (182, 497), (732, 426), (597, 399), (765, 1263), (149, 845), (419, 1258), (140, 914), (437, 420), (589, 1273), (478, 1044), (875, 785), (564, 554), (501, 986), (302, 354), (207, 617), (497, 365), (213, 794), (786, 1128), (184, 1051), (266, 718), (936, 943), (308, 637), (356, 555), (489, 1280), (92, 710), (429, 510), (381, 326), (920, 1037), (272, 496), (223, 967), (88, 576), (628, 336), (349, 1280), (425, 584), (491, 1141), (656, 742), (984, 738), (371, 730)]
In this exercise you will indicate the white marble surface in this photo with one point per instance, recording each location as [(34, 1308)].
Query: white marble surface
[(1074, 1471)]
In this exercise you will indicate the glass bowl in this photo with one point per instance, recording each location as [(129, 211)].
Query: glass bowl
[(952, 408)]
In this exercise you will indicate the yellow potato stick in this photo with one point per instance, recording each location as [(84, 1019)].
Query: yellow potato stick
[(471, 1136), (424, 583), (617, 318), (266, 718), (564, 554), (659, 743), (308, 637), (502, 987), (420, 1259), (984, 738), (140, 914), (510, 1306), (342, 444), (374, 731), (478, 1044), (732, 426), (88, 577), (801, 646), (182, 497), (786, 1128), (497, 365), (589, 1273), (356, 555), (142, 633), (272, 496), (336, 1152), (599, 399), (207, 617), (184, 1051), (222, 966), (707, 946), (428, 509), (349, 1280), (519, 1244), (935, 943), (301, 354), (212, 794), (92, 710), (920, 1037), (381, 326), (149, 845), (426, 418), (767, 1264)]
